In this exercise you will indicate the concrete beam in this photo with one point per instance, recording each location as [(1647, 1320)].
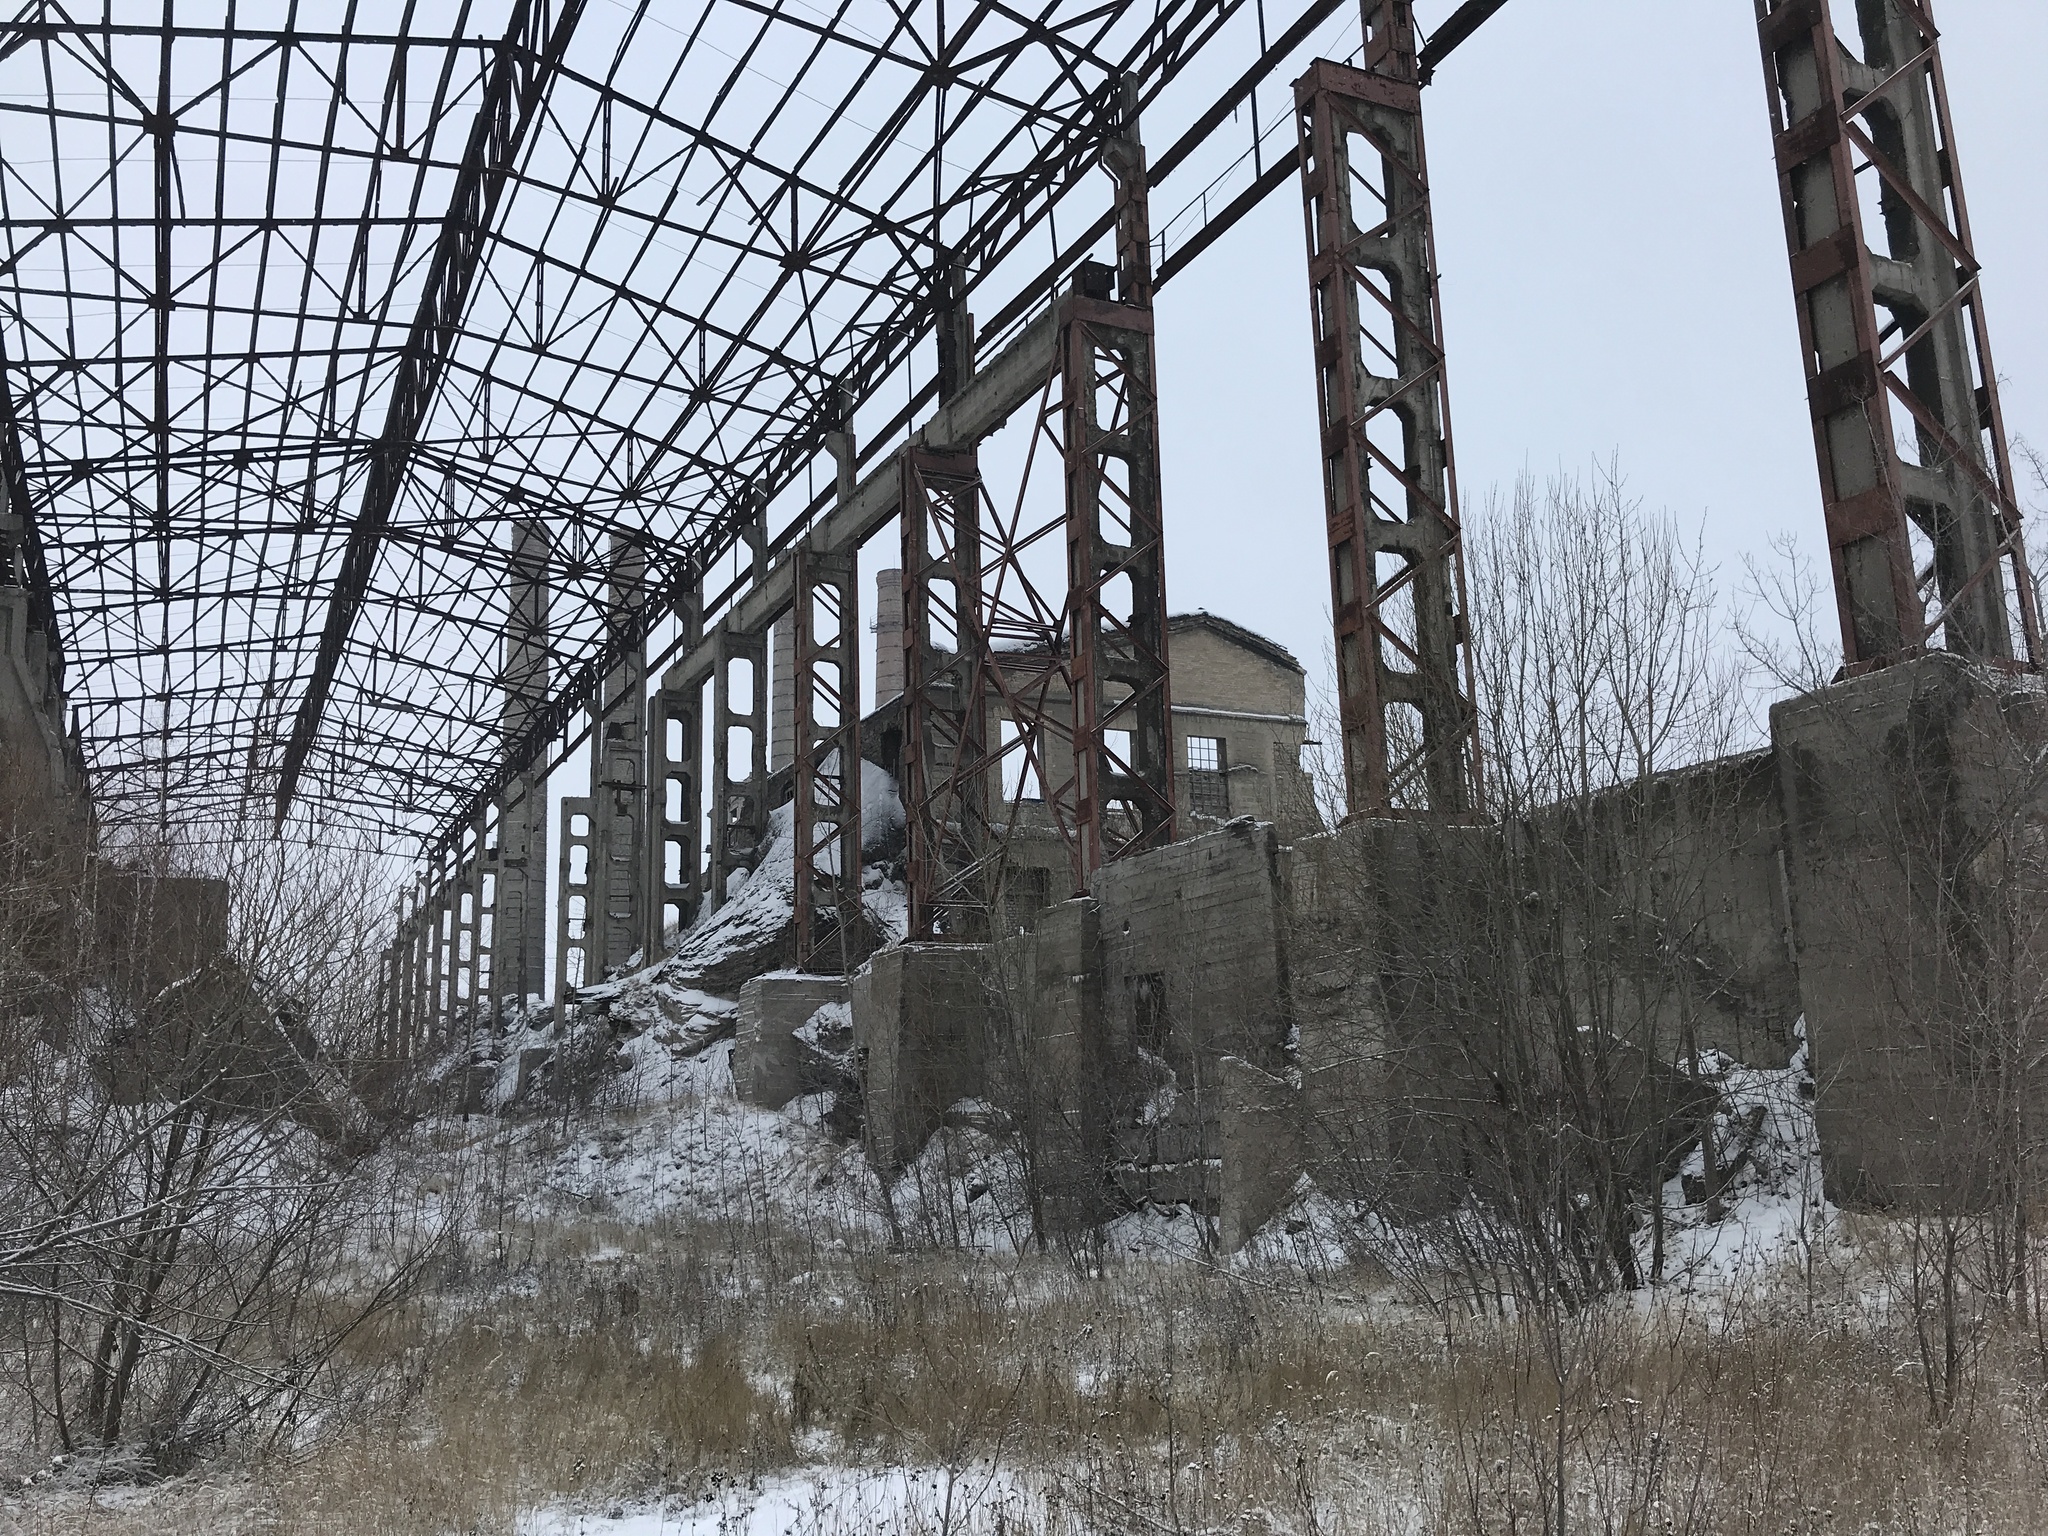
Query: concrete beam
[(996, 391)]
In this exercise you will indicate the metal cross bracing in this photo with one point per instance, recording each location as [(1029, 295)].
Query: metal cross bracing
[(1397, 583), (301, 315), (1923, 525)]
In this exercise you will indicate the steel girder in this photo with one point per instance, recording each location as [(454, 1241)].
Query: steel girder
[(1397, 583), (215, 242), (1924, 533)]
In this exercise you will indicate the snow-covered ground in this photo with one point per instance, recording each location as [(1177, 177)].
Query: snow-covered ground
[(816, 1501)]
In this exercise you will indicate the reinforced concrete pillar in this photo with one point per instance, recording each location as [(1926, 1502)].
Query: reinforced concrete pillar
[(574, 908), (782, 727), (739, 756), (519, 918), (618, 785), (675, 809)]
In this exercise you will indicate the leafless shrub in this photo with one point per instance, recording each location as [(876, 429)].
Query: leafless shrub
[(186, 1177)]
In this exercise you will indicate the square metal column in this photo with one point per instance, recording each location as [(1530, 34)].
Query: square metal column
[(1397, 583), (1916, 477)]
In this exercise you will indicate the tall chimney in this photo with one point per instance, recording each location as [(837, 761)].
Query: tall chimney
[(888, 635)]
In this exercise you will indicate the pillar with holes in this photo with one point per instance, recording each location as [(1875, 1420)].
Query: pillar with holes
[(1916, 475), (575, 904), (1397, 583), (739, 757), (824, 619), (675, 726)]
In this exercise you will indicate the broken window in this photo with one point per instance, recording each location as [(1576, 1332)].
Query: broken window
[(1208, 788)]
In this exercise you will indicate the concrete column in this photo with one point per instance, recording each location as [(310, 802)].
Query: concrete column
[(618, 785), (574, 887), (519, 923), (675, 807), (739, 756), (782, 717)]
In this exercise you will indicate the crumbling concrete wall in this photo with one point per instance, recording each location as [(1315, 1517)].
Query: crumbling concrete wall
[(1194, 949)]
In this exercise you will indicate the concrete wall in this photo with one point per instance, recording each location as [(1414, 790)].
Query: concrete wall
[(40, 763), (1913, 814), (1193, 944)]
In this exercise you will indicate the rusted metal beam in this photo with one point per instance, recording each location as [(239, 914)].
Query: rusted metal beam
[(1404, 668), (1916, 475)]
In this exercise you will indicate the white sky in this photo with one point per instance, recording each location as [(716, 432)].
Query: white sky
[(1614, 283)]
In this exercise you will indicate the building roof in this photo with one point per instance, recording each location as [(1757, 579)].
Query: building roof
[(1236, 634)]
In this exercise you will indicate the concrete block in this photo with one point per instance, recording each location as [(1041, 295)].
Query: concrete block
[(1910, 798), (1260, 1122), (921, 1024), (766, 1056)]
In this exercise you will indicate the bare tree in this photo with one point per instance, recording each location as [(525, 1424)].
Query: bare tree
[(184, 1188)]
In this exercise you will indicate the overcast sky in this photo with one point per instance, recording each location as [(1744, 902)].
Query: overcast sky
[(1614, 283)]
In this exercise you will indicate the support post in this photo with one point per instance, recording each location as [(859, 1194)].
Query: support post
[(618, 784), (675, 740), (1916, 475), (739, 822), (824, 620), (946, 763), (575, 909), (1397, 582), (1116, 576), (519, 926)]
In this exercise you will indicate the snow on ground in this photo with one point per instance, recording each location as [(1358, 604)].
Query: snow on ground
[(687, 1145), (815, 1501), (758, 912), (1773, 1213)]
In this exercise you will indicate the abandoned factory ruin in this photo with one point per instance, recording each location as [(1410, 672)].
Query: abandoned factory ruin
[(987, 829)]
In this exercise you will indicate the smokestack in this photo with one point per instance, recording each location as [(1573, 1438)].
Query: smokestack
[(782, 700), (888, 635)]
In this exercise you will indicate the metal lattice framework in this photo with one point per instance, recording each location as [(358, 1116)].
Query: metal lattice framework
[(302, 317)]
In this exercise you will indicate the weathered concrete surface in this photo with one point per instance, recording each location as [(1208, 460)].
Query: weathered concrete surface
[(1261, 1148), (1912, 809), (1051, 1072), (767, 1059), (921, 1023), (1194, 953)]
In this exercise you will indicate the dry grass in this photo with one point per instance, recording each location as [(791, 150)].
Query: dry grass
[(624, 1364)]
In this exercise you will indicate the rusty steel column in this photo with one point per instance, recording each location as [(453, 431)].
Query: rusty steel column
[(1397, 580), (1916, 475), (946, 764), (824, 617), (1116, 575)]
